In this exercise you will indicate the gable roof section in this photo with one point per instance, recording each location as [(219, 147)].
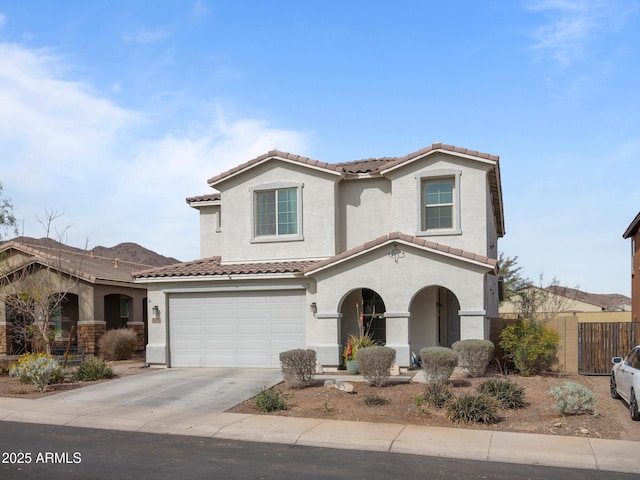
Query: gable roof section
[(374, 166), (212, 266), (277, 155), (633, 228), (397, 237), (82, 264)]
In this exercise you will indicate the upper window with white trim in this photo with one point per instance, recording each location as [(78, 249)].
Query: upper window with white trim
[(277, 213), (439, 197)]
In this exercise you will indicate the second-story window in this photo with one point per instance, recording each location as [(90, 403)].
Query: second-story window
[(276, 212), (438, 199)]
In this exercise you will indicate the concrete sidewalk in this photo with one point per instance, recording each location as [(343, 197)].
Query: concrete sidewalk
[(556, 451)]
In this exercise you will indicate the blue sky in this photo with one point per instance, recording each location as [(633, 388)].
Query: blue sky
[(113, 112)]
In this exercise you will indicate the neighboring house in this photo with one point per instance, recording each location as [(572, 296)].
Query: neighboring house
[(101, 294), (566, 310), (633, 232), (295, 249)]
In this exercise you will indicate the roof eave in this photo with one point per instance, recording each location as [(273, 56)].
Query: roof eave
[(489, 267), (217, 180), (633, 227)]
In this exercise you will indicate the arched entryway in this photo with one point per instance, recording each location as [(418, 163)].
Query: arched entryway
[(435, 319), (117, 310), (363, 307)]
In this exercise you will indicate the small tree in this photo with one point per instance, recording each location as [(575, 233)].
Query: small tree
[(530, 343), (35, 288), (7, 219), (512, 279)]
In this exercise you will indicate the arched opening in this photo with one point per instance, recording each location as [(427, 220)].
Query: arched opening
[(62, 315), (435, 320), (117, 310), (363, 310)]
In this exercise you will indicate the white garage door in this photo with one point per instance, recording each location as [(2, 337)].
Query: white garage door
[(247, 329)]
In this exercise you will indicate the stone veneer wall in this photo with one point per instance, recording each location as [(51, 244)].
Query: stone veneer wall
[(138, 327), (88, 335), (6, 339)]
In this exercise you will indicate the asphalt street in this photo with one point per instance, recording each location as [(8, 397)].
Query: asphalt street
[(32, 451)]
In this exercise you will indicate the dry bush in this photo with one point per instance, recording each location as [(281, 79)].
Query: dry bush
[(374, 363), (298, 367), (117, 344)]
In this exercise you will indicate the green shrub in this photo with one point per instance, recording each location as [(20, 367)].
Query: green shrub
[(374, 363), (375, 400), (507, 393), (437, 394), (531, 346), (573, 399), (474, 355), (298, 367), (92, 369), (270, 400), (36, 369), (438, 363), (472, 408), (118, 344)]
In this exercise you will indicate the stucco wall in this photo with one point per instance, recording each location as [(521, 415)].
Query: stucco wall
[(210, 234), (318, 214), (364, 211), (406, 203)]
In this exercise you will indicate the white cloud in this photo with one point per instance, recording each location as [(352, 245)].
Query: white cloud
[(67, 149), (570, 25), (48, 123), (146, 36), (3, 20)]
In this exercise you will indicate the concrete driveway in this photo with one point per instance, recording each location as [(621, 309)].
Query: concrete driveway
[(197, 389)]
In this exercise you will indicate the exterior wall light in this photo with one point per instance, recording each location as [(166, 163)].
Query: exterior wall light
[(156, 311), (396, 253)]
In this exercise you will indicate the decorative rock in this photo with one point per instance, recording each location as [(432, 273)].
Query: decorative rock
[(344, 387), (584, 431), (330, 383), (558, 425)]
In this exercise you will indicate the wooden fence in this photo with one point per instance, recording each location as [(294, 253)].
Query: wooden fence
[(599, 342)]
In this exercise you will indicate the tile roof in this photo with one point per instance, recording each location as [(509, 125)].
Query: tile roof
[(211, 197), (632, 228), (380, 165), (213, 266), (397, 236), (81, 264), (274, 153)]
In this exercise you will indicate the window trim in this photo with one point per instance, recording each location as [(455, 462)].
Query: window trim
[(431, 175), (276, 238)]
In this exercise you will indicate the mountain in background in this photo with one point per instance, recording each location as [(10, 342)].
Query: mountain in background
[(128, 251)]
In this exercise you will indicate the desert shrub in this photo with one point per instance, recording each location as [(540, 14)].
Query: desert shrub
[(474, 355), (530, 345), (117, 344), (36, 369), (92, 369), (437, 394), (298, 367), (438, 363), (573, 399), (375, 400), (374, 363), (270, 400), (472, 408), (507, 393)]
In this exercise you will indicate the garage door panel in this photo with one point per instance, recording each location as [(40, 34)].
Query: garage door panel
[(242, 329)]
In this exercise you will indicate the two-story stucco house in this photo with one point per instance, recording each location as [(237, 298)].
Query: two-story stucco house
[(295, 250)]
